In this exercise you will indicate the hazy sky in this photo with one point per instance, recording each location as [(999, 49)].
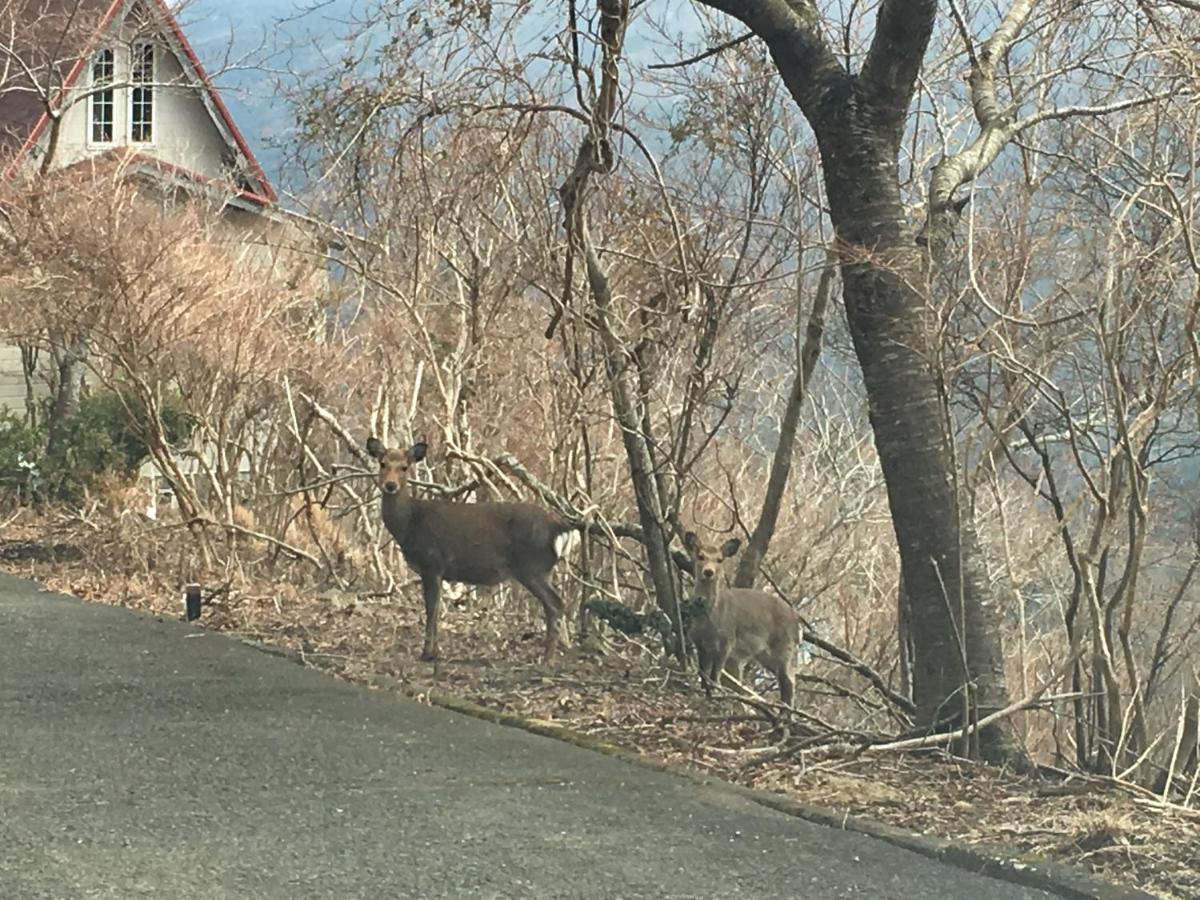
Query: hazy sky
[(246, 33), (252, 32)]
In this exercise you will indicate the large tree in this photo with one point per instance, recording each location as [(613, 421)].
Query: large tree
[(859, 106)]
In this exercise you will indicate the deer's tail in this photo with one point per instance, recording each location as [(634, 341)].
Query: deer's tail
[(564, 541)]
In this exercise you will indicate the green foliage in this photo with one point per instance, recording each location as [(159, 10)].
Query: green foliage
[(107, 435), (628, 621), (20, 447), (618, 616)]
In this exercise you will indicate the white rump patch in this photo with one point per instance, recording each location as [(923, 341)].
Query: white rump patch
[(564, 544)]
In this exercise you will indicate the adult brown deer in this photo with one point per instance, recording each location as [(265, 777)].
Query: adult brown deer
[(470, 543), (740, 625)]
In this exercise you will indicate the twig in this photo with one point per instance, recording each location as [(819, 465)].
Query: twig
[(287, 548), (700, 57), (946, 737)]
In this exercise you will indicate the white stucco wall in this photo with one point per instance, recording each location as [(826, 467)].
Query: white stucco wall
[(184, 132), (12, 379)]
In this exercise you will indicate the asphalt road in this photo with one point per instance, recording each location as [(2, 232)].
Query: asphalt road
[(147, 758)]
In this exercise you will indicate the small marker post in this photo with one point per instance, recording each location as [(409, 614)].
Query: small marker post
[(191, 602)]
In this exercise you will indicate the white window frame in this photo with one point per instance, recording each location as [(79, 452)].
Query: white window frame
[(94, 97), (137, 83)]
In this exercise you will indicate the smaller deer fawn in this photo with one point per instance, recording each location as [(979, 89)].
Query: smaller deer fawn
[(470, 543), (740, 625)]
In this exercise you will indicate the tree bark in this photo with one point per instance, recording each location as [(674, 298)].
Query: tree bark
[(958, 663), (858, 120), (29, 367), (646, 488), (595, 158), (67, 392)]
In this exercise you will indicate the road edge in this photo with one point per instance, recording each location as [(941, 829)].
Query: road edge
[(992, 860)]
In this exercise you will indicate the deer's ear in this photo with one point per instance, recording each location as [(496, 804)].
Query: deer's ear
[(690, 540), (417, 451), (730, 547), (375, 447)]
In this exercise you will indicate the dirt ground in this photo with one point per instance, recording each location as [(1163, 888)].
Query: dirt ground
[(615, 690)]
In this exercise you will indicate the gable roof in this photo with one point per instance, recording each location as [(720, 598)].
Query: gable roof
[(47, 39), (56, 37)]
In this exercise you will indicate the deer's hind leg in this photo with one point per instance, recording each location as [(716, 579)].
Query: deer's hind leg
[(782, 664), (786, 675), (552, 607), (431, 587)]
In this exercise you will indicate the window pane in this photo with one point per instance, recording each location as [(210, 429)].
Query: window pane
[(143, 63), (141, 110), (102, 100), (102, 67)]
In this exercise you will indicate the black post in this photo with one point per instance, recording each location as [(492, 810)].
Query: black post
[(191, 601)]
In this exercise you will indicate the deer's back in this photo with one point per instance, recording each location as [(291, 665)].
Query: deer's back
[(755, 607), (749, 622), (482, 543)]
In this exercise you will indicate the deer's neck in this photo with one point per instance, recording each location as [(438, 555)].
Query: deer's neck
[(398, 509), (710, 593)]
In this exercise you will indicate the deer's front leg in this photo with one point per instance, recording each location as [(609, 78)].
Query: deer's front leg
[(431, 587), (706, 657), (719, 660)]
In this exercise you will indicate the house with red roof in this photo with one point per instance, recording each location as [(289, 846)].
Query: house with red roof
[(88, 77), (98, 81)]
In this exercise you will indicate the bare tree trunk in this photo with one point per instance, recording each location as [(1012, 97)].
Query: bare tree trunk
[(859, 121), (67, 392), (1189, 743), (29, 366), (646, 487), (958, 662), (781, 462), (74, 353), (595, 157), (905, 640)]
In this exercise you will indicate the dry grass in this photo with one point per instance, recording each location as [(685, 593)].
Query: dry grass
[(623, 695)]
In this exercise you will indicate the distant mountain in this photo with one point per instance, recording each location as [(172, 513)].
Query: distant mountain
[(238, 41), (244, 42)]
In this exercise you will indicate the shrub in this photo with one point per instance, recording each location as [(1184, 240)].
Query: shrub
[(104, 437), (20, 448)]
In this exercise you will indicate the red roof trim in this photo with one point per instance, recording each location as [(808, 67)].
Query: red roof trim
[(269, 196), (68, 83), (255, 168), (120, 156)]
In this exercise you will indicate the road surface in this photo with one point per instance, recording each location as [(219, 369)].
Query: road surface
[(149, 758)]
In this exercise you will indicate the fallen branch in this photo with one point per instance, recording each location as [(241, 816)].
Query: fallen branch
[(289, 549), (946, 737), (853, 662), (1140, 795)]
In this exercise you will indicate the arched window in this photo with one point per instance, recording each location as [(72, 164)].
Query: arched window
[(141, 95), (100, 99)]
